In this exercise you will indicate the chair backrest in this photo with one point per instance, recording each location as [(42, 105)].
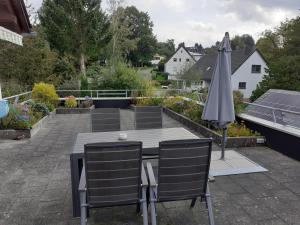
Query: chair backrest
[(113, 173), (148, 117), (183, 169), (105, 119)]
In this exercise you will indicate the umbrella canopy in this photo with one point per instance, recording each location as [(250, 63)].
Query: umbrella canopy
[(219, 107)]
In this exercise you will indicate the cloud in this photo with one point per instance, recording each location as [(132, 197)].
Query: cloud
[(176, 5), (206, 21), (200, 25)]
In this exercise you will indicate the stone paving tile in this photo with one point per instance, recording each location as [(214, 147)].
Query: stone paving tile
[(35, 186)]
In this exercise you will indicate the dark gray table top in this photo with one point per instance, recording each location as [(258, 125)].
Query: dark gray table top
[(150, 137)]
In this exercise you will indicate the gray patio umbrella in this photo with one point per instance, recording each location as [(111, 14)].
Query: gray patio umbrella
[(219, 108)]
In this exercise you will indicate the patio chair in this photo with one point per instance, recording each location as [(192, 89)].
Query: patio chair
[(113, 175), (183, 168), (105, 119), (148, 117)]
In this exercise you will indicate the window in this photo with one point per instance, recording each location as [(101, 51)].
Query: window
[(175, 59), (179, 59), (187, 60), (242, 85), (256, 69)]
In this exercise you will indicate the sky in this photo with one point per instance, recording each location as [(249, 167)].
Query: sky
[(206, 21)]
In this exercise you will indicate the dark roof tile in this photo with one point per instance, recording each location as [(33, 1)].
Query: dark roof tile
[(206, 64)]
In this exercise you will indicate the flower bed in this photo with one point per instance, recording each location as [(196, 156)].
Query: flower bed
[(24, 120), (72, 107), (189, 113), (243, 141)]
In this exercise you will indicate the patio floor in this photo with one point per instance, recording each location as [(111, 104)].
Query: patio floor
[(35, 185)]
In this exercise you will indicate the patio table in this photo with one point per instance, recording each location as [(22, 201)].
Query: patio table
[(150, 139)]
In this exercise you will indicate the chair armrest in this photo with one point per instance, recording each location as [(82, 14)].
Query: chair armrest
[(144, 177), (82, 182), (151, 175)]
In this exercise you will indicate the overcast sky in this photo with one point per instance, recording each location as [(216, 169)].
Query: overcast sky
[(206, 21)]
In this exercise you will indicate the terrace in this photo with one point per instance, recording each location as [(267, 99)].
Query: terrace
[(36, 183)]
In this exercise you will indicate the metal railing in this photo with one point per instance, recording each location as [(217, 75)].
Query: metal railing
[(281, 116), (23, 97), (122, 93), (100, 94)]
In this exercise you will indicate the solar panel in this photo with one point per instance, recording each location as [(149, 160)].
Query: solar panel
[(279, 99)]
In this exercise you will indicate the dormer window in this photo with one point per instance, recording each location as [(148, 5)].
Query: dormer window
[(179, 59), (175, 59), (187, 60)]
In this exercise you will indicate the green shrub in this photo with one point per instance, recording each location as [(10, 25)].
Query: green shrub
[(238, 99), (84, 86), (45, 93), (176, 104), (239, 130), (70, 102), (42, 108), (38, 107), (193, 111), (72, 84), (12, 87), (149, 101), (122, 77)]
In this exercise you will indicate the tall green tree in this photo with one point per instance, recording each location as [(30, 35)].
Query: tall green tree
[(282, 48), (34, 62), (269, 44), (141, 28), (243, 41), (121, 43), (77, 27), (166, 48)]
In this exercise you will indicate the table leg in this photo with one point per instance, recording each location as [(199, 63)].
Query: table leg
[(76, 167)]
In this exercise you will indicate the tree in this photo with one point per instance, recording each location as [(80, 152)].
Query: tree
[(166, 48), (244, 41), (199, 47), (26, 65), (141, 28), (269, 44), (77, 27), (283, 74), (121, 43), (282, 49)]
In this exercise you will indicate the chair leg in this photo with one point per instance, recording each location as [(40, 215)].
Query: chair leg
[(144, 207), (193, 202), (209, 207), (152, 206), (83, 208), (138, 208)]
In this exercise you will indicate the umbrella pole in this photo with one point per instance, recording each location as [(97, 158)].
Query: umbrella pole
[(224, 139)]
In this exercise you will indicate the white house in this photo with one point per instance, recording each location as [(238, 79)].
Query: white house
[(180, 61), (156, 59), (248, 69)]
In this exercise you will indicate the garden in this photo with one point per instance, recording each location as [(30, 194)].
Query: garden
[(45, 100), (189, 109)]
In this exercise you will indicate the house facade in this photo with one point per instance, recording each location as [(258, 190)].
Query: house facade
[(250, 73), (248, 69), (182, 60)]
